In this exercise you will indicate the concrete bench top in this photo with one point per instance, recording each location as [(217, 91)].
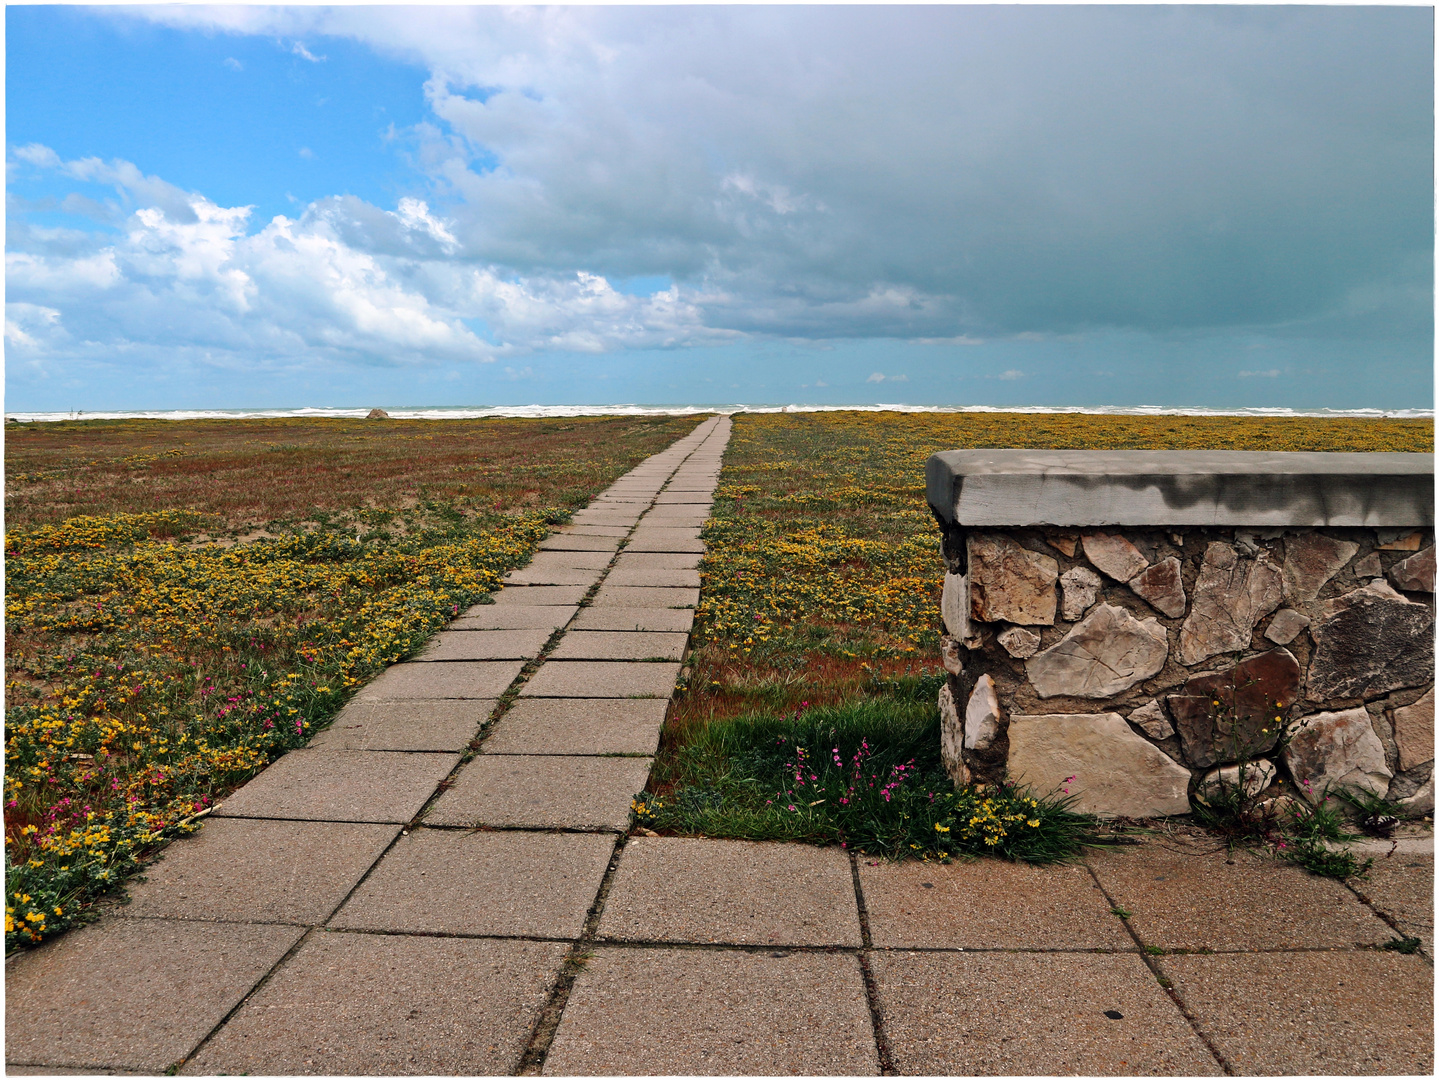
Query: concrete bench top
[(1161, 488)]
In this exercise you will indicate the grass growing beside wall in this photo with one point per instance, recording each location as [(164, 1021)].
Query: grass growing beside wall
[(821, 578), (184, 602)]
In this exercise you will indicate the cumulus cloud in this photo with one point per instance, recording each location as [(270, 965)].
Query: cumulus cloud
[(1272, 373), (941, 175), (344, 279)]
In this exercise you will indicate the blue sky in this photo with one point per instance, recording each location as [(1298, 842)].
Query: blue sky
[(278, 207)]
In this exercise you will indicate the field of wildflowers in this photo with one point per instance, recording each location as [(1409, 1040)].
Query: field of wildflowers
[(821, 577), (158, 655)]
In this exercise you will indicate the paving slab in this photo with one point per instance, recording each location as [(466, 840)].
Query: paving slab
[(620, 645), (242, 870), (638, 596), (1033, 1014), (734, 892), (134, 994), (1312, 1013), (594, 678), (614, 531), (366, 1005), (701, 1012), (499, 884), (579, 542), (579, 726), (685, 540), (649, 576), (514, 617), (987, 904), (341, 785), (553, 576), (534, 595), (659, 560), (672, 496), (562, 560), (662, 517), (424, 726), (413, 681), (532, 792), (1186, 896), (1402, 887), (484, 645), (607, 516), (676, 620)]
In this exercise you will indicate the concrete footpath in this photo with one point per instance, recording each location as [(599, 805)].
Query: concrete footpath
[(370, 905)]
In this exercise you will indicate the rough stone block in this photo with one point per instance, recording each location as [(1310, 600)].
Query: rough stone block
[(1286, 625), (951, 738), (1019, 642), (1310, 560), (1109, 769), (1114, 555), (1369, 643), (1230, 597), (1247, 720), (1414, 732), (1162, 587), (1333, 751), (1416, 573), (1009, 583), (1152, 720), (1080, 587), (981, 715), (1107, 653)]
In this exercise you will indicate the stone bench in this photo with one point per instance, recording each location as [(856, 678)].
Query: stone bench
[(1124, 625)]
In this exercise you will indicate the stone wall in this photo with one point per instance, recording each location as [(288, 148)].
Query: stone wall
[(1131, 664)]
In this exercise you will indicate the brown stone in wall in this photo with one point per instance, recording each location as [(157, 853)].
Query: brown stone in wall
[(1114, 555), (1368, 642), (1414, 732), (1230, 596), (1416, 573), (1310, 560), (1008, 583), (1247, 721), (1162, 587)]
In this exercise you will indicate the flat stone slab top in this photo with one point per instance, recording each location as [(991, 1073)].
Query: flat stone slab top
[(433, 682), (672, 620), (553, 575), (701, 1012), (596, 678), (1312, 1013), (733, 892), (1402, 888), (341, 785), (663, 540), (433, 726), (987, 904), (1192, 898), (658, 560), (514, 617), (589, 726), (367, 1005), (620, 645), (1034, 1014), (484, 645), (497, 884), (243, 870), (1180, 487), (533, 792), (132, 994)]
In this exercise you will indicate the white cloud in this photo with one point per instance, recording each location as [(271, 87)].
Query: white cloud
[(306, 153), (298, 48), (875, 378), (1012, 373), (233, 64), (1272, 373)]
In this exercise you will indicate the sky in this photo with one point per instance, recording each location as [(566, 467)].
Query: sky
[(246, 207)]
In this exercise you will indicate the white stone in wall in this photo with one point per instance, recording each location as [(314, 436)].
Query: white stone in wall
[(981, 715), (1257, 775), (954, 606), (1019, 642), (1286, 626), (1421, 802), (951, 738), (1230, 597), (1114, 555), (1080, 587), (1115, 772), (950, 656), (1107, 653), (1331, 751), (1153, 720), (1010, 583)]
